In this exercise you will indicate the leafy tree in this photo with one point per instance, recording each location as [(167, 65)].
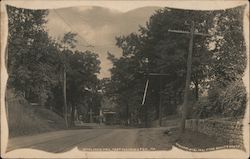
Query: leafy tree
[(167, 54), (82, 80), (36, 63), (229, 50), (30, 54), (228, 102), (233, 99), (124, 76), (69, 40), (226, 92)]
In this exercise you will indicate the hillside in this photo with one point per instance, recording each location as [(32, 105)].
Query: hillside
[(25, 119)]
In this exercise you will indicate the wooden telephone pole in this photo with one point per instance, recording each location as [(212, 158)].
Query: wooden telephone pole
[(65, 96), (144, 98), (188, 76), (64, 88)]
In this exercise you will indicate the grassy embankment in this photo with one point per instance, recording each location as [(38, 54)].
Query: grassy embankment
[(24, 119)]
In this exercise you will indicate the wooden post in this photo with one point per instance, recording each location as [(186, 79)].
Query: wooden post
[(143, 103), (90, 115), (127, 114), (146, 116), (64, 96), (188, 77), (145, 94), (160, 104)]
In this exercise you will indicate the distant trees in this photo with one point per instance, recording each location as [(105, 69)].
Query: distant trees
[(220, 58), (82, 80), (126, 85), (36, 61)]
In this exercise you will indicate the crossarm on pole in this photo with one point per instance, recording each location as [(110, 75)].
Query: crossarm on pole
[(187, 32)]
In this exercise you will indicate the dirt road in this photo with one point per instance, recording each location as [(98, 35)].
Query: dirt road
[(84, 139)]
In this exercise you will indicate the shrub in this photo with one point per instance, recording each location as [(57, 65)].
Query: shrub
[(229, 101), (201, 109), (233, 99)]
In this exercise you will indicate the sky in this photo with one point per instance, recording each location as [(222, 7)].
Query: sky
[(97, 28)]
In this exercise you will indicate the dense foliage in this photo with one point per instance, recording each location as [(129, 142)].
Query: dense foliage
[(36, 63), (219, 58)]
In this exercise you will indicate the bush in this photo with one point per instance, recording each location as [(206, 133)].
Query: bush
[(229, 101), (233, 99), (201, 109)]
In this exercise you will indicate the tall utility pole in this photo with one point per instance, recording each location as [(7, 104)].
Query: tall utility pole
[(148, 74), (90, 115), (160, 105), (64, 96), (145, 94), (91, 111), (64, 89), (143, 103), (188, 76)]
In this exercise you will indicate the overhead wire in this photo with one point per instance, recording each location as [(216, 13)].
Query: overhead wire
[(72, 29)]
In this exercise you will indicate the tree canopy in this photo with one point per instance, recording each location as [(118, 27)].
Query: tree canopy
[(219, 58), (35, 63)]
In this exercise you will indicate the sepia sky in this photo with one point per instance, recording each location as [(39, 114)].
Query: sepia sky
[(98, 27)]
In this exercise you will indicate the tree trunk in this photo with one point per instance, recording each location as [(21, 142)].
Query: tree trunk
[(90, 115), (72, 115), (42, 96), (196, 90), (157, 107), (180, 97), (160, 105), (175, 99), (170, 104), (127, 113)]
